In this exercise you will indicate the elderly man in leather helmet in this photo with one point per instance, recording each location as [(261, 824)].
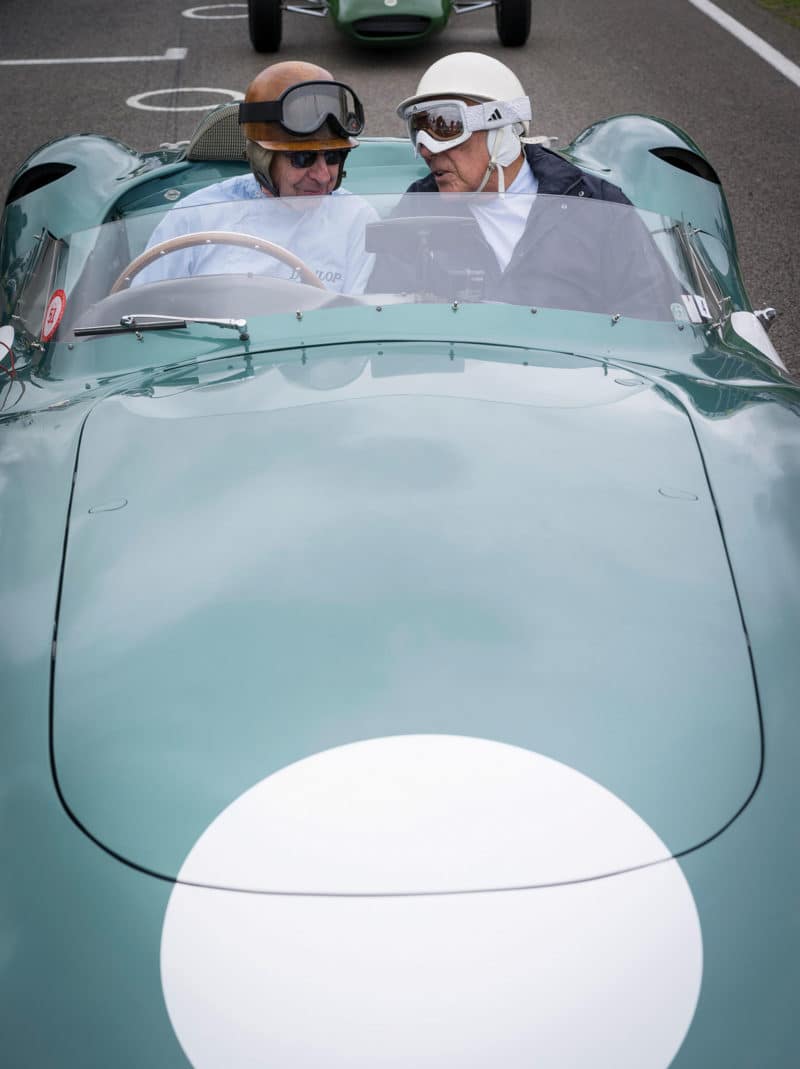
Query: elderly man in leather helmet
[(299, 124)]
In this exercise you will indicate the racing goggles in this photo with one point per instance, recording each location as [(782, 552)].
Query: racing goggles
[(440, 125), (305, 158), (305, 107)]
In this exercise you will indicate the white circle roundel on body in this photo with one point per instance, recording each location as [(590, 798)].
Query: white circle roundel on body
[(598, 972), (53, 314)]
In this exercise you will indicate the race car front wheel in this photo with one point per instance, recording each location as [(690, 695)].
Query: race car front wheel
[(513, 19), (265, 19)]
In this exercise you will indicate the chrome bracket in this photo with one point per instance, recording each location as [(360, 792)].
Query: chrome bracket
[(766, 316)]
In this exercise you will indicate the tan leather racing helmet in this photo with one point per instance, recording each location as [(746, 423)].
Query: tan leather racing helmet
[(295, 106)]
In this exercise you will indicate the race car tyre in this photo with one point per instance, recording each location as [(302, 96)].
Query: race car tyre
[(513, 18), (265, 20)]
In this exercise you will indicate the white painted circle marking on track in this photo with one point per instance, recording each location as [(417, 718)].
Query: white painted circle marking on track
[(600, 972), (137, 101), (195, 12)]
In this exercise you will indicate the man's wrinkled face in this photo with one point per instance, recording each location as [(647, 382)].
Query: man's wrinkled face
[(314, 181), (460, 169)]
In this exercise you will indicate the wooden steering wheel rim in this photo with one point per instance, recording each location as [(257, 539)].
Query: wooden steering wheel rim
[(215, 237)]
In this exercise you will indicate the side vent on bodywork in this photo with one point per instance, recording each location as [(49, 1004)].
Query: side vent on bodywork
[(37, 177), (685, 160)]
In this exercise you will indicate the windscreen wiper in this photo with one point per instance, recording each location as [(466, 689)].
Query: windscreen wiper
[(148, 321)]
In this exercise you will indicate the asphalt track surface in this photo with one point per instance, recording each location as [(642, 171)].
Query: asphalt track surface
[(585, 60)]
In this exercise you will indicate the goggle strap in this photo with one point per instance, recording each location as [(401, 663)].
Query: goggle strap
[(260, 111), (496, 113)]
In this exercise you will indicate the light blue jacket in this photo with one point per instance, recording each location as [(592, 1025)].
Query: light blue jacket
[(327, 233)]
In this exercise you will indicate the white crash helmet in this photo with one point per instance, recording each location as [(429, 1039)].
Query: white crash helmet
[(477, 77)]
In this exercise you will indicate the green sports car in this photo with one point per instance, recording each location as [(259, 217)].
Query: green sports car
[(398, 676), (386, 23)]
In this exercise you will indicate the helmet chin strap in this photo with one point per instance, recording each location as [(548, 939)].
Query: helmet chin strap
[(487, 174), (259, 159), (504, 147), (266, 183)]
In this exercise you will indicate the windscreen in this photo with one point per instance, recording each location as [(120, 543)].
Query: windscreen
[(264, 255)]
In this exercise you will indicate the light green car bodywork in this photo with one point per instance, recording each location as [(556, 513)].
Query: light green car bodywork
[(347, 14), (576, 536)]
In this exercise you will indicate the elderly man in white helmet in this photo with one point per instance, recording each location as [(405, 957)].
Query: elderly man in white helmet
[(469, 121)]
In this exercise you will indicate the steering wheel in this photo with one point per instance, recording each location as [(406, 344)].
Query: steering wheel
[(215, 237)]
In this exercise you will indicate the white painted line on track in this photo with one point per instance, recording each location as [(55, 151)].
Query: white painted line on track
[(772, 56), (170, 54), (240, 12)]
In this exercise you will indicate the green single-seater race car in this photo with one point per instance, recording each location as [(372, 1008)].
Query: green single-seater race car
[(385, 22), (397, 677)]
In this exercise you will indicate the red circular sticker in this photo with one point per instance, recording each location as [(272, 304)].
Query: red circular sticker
[(52, 317)]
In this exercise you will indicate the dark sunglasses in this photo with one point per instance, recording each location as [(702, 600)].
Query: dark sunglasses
[(302, 160)]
